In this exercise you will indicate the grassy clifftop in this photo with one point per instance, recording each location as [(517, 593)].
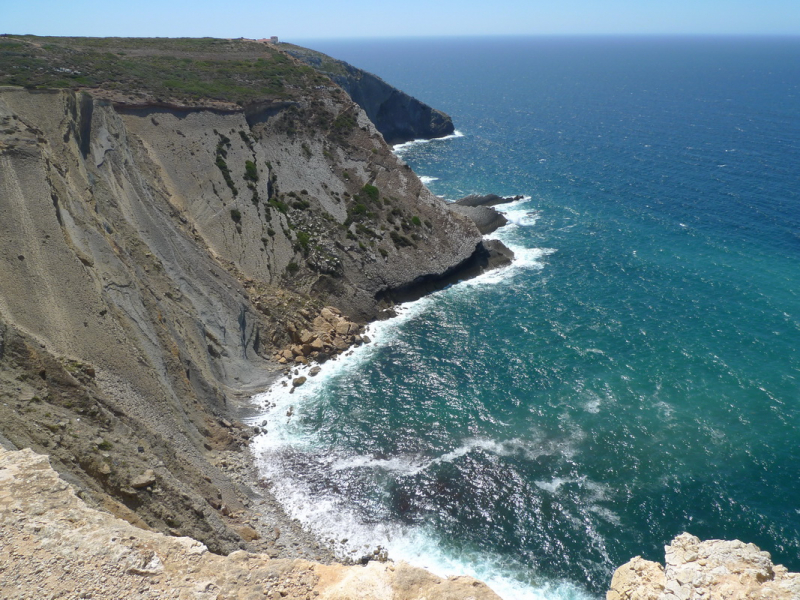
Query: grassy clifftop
[(186, 70)]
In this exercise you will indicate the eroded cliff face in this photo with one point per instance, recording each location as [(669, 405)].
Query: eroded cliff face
[(153, 258), (53, 545)]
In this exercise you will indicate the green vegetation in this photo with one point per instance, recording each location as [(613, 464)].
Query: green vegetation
[(236, 215), (222, 153), (400, 240), (175, 69), (250, 171), (344, 123), (359, 210), (303, 239), (364, 230), (371, 192), (300, 204), (281, 206), (415, 220), (246, 139)]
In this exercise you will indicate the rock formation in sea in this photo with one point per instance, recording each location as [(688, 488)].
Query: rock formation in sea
[(480, 209), (705, 570), (398, 116)]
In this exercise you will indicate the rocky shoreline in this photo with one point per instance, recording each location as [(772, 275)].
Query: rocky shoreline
[(52, 545), (479, 208)]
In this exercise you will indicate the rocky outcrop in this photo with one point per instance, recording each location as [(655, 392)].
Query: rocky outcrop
[(714, 569), (53, 546), (486, 219), (479, 209), (490, 254), (486, 200), (398, 116)]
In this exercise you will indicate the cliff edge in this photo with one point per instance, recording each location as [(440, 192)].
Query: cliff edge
[(53, 545), (398, 116), (709, 570)]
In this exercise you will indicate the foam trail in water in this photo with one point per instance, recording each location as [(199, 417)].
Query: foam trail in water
[(426, 179), (400, 148), (352, 536), (412, 465)]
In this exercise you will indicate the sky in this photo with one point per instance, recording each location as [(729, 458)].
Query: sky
[(298, 20)]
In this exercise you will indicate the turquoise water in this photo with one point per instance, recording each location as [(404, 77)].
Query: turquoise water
[(633, 375)]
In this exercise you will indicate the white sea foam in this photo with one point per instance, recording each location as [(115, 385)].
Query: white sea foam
[(333, 518), (519, 212), (281, 397), (400, 148), (286, 446), (426, 179)]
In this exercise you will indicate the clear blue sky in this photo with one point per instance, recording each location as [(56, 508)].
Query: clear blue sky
[(304, 19)]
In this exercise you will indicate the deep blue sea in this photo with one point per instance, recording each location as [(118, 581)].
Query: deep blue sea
[(636, 372)]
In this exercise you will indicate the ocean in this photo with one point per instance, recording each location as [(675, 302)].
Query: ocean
[(633, 375)]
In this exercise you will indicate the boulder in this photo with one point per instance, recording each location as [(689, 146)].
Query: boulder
[(321, 324), (328, 315), (144, 480)]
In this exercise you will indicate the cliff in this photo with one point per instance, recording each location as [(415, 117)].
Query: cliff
[(713, 569), (398, 116), (175, 214), (53, 545)]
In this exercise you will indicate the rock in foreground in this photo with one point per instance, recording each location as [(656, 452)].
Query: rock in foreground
[(710, 570), (53, 545)]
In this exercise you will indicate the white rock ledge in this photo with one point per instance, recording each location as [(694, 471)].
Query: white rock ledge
[(710, 570)]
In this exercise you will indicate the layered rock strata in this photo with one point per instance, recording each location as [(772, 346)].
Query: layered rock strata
[(709, 570), (53, 546), (153, 260)]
